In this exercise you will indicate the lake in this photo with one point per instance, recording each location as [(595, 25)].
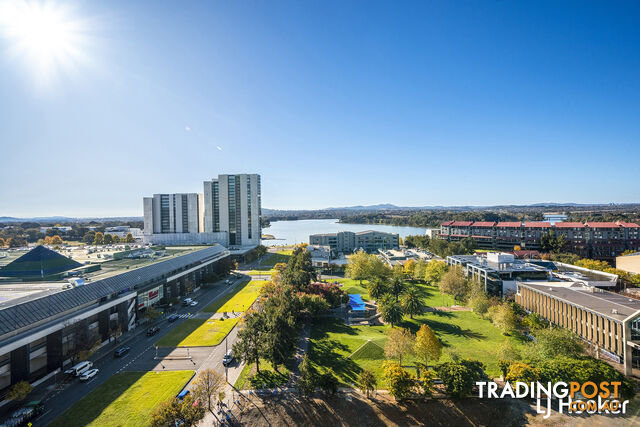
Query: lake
[(294, 232)]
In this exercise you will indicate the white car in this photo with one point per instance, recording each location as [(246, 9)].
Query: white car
[(193, 303), (89, 374)]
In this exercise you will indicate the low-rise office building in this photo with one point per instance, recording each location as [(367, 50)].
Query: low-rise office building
[(599, 240), (40, 330), (348, 241), (608, 321)]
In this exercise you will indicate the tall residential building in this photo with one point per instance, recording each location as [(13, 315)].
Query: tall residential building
[(232, 205), (173, 213)]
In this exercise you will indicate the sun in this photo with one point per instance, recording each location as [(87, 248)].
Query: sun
[(44, 35)]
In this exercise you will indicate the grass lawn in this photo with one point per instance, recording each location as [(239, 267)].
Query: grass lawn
[(333, 344), (268, 272), (239, 300), (351, 286), (198, 333), (273, 259), (126, 399), (266, 369)]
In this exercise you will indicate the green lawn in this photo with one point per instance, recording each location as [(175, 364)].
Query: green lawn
[(239, 300), (125, 399), (351, 286), (198, 333), (267, 272), (333, 344), (273, 259), (266, 369)]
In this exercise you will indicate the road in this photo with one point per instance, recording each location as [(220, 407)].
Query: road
[(142, 357)]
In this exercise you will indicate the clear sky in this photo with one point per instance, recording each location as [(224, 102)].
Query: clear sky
[(334, 103)]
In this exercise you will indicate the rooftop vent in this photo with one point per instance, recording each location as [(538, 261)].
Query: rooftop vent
[(614, 311)]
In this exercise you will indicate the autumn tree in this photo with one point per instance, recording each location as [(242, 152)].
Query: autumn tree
[(206, 386), (185, 412), (129, 238), (399, 342), (56, 240), (409, 268), (503, 317), (428, 347), (358, 266), (400, 382), (454, 283), (107, 239), (434, 271), (19, 391), (89, 237), (98, 238), (116, 238)]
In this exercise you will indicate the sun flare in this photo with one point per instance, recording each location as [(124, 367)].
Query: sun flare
[(44, 35)]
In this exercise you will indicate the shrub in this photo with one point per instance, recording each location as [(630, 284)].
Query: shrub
[(20, 391), (328, 383), (459, 378), (522, 372), (400, 382)]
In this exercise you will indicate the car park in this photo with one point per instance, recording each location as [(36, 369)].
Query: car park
[(152, 331), (172, 318), (121, 351), (89, 374)]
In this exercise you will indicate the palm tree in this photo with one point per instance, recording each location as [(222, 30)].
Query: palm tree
[(412, 302)]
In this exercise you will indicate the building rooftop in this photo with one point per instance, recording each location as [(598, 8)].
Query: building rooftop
[(538, 224), (509, 224), (608, 304), (19, 313)]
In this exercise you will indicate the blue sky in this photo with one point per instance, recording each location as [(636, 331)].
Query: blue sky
[(334, 103)]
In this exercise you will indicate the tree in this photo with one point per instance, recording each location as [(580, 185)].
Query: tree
[(89, 237), (56, 240), (480, 305), (412, 302), (399, 342), (390, 310), (409, 268), (552, 242), (434, 271), (186, 412), (377, 288), (328, 383), (400, 382), (129, 238), (107, 239), (460, 377), (299, 272), (20, 391), (503, 317), (98, 238), (308, 377), (151, 314), (428, 347), (556, 341), (116, 238), (2, 242), (250, 339), (425, 381), (207, 385), (261, 251), (419, 270), (367, 382), (397, 286), (534, 321), (454, 283)]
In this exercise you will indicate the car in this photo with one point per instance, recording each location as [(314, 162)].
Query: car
[(89, 374), (121, 351), (193, 303), (227, 359), (79, 369), (186, 302), (172, 318), (152, 331), (228, 282)]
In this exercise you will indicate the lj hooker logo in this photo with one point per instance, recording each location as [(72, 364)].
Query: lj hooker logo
[(573, 398)]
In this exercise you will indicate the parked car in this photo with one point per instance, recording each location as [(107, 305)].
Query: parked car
[(79, 369), (227, 359), (183, 394), (193, 303), (186, 301), (121, 351), (172, 318), (89, 374), (152, 331), (228, 282)]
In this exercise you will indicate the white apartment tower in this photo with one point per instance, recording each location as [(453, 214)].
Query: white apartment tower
[(173, 213), (232, 205)]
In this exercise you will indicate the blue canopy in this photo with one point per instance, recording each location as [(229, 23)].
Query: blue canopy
[(355, 302)]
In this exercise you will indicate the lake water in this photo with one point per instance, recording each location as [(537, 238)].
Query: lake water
[(293, 232)]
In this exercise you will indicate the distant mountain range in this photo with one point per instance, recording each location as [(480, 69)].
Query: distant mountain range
[(67, 219)]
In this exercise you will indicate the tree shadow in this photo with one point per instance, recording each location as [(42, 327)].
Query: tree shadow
[(322, 327), (325, 353)]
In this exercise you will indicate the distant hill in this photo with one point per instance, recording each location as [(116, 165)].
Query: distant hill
[(65, 219)]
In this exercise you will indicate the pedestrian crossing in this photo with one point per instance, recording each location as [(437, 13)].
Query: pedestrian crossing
[(186, 316)]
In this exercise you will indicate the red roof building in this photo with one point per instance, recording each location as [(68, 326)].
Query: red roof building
[(462, 223), (603, 225), (539, 224), (483, 224), (569, 225), (508, 224)]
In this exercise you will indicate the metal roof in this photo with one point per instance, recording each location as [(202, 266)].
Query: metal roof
[(22, 315), (608, 304)]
